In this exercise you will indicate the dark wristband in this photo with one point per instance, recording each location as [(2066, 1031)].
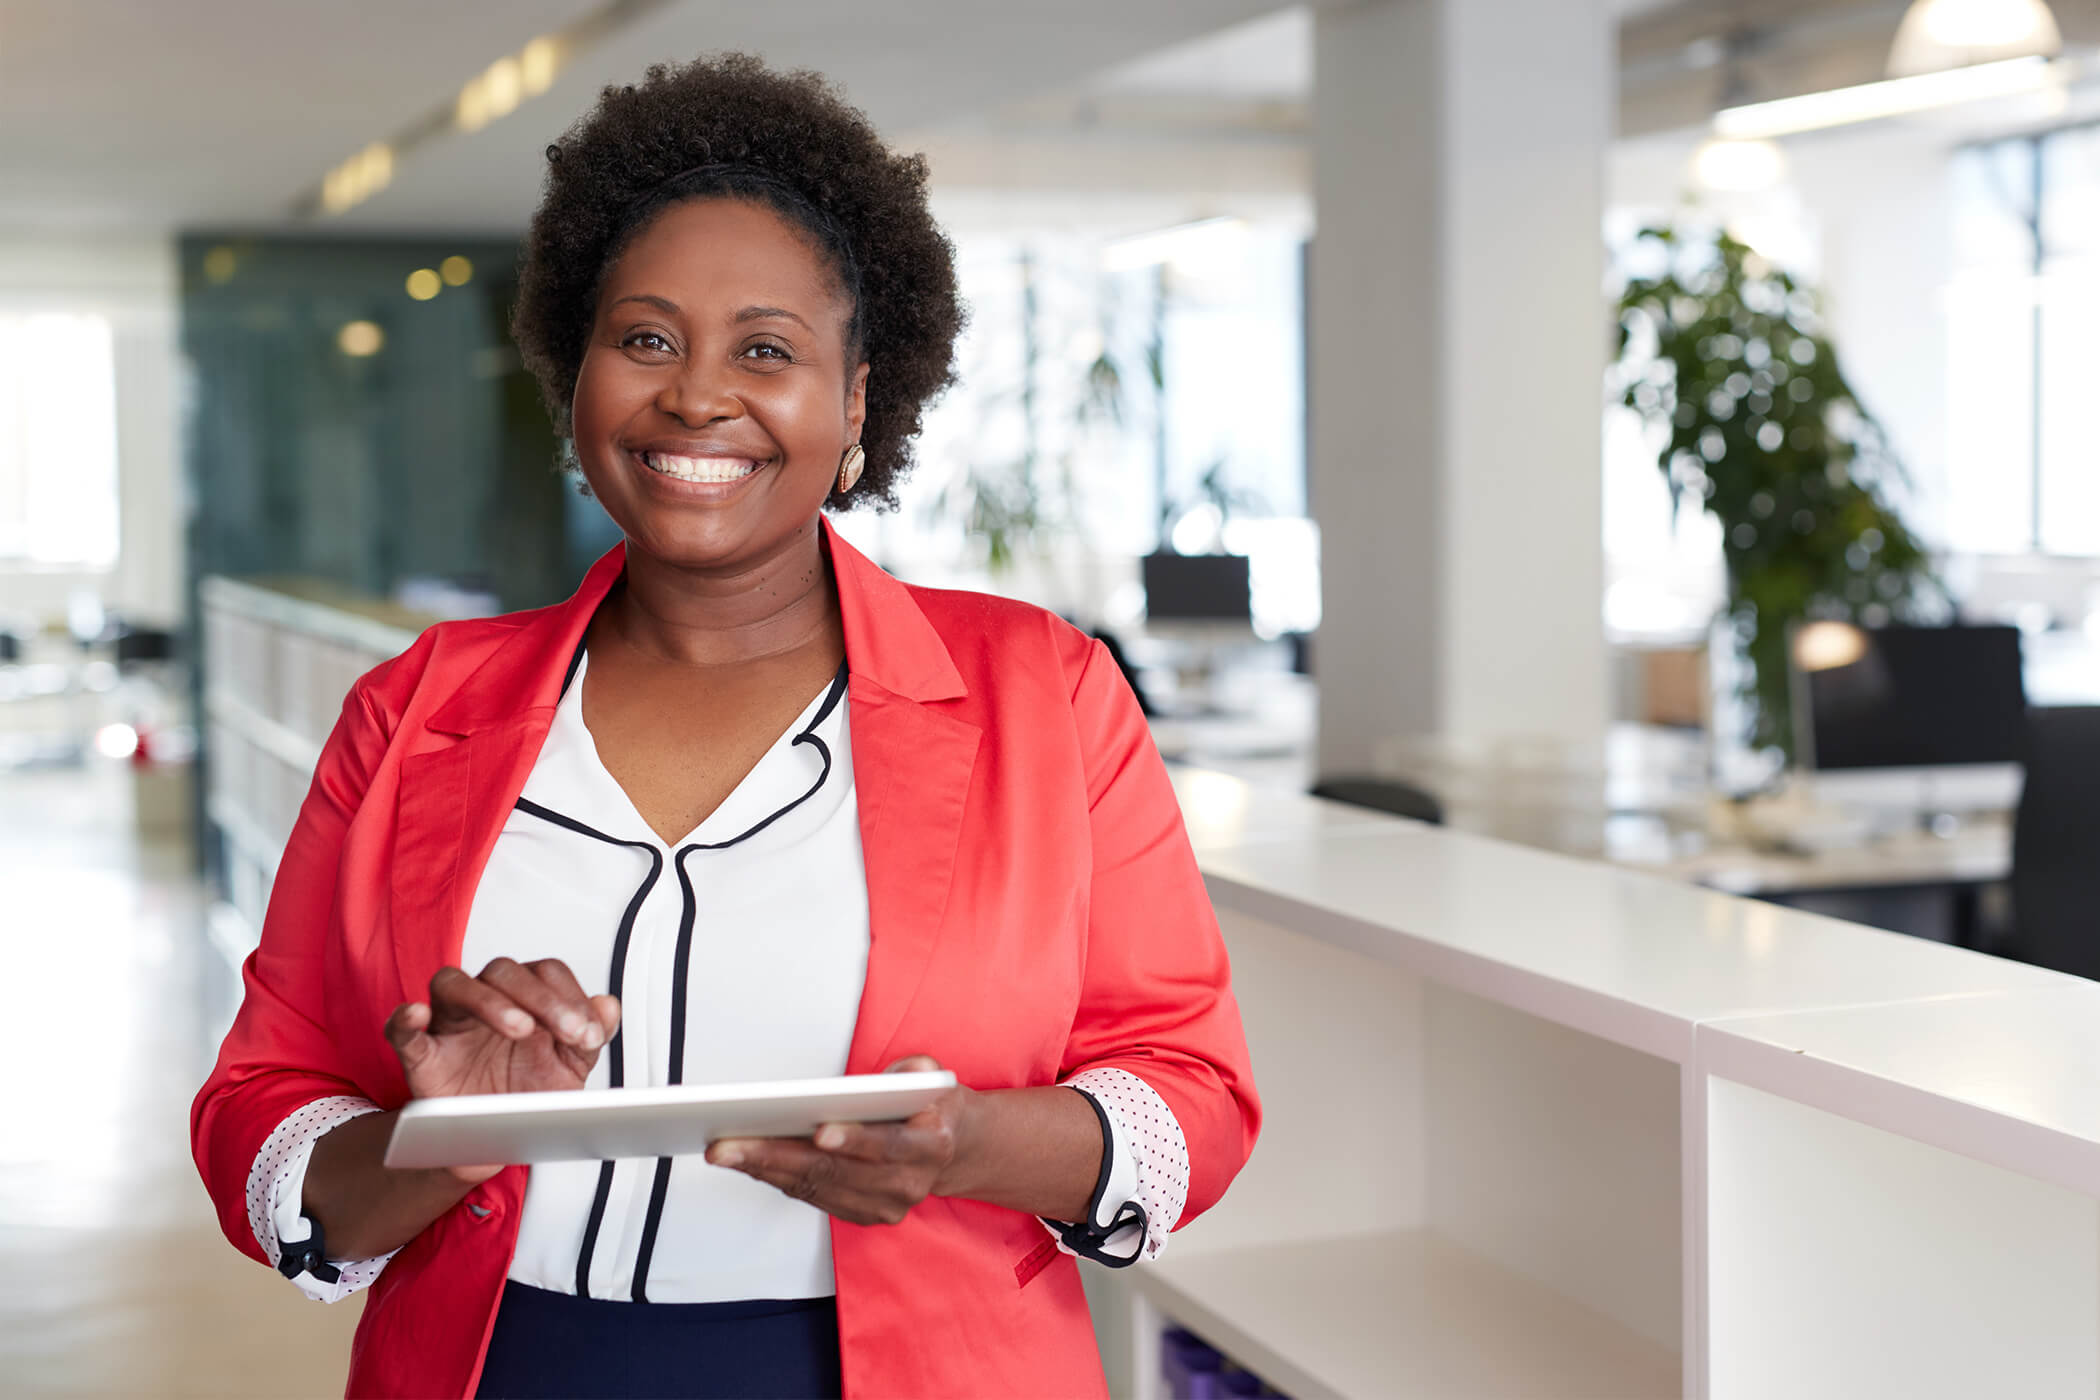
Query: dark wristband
[(307, 1256)]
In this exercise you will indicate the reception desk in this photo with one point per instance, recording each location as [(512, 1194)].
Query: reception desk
[(1537, 1127), (1542, 1127)]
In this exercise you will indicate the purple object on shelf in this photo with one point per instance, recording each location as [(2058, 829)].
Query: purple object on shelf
[(1189, 1367), (1195, 1370)]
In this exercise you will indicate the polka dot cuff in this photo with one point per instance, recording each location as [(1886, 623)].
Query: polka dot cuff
[(1145, 1135), (277, 1188)]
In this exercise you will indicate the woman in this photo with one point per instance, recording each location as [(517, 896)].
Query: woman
[(744, 807)]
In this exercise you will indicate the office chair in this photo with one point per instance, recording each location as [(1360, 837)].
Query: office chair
[(1130, 674), (1383, 795), (136, 644), (2056, 844)]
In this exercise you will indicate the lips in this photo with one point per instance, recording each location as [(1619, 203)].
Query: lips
[(708, 468)]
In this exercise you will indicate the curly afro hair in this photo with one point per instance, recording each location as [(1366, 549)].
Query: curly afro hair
[(728, 126)]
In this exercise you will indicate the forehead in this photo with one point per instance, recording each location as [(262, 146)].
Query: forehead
[(724, 254)]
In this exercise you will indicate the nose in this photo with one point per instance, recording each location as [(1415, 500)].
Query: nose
[(698, 395)]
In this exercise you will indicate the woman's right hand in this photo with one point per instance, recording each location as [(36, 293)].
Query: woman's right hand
[(517, 1028)]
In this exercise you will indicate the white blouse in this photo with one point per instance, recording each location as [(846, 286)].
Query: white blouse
[(720, 980)]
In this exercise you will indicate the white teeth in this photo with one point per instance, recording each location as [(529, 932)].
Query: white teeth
[(699, 468)]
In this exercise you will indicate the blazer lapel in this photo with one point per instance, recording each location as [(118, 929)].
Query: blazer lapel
[(453, 804), (912, 765), (912, 762), (456, 794)]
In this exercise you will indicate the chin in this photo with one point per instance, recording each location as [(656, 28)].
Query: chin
[(709, 539)]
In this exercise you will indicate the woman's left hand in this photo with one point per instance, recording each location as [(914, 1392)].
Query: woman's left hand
[(863, 1173)]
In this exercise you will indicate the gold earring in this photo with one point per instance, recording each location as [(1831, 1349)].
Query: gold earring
[(849, 468)]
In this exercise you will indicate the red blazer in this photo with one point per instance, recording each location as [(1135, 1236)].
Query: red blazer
[(1034, 909)]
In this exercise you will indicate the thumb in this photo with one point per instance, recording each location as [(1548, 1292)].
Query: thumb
[(408, 1031)]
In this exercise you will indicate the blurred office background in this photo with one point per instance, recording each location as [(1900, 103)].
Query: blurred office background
[(1325, 357)]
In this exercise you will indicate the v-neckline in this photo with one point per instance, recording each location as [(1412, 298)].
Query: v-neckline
[(805, 722)]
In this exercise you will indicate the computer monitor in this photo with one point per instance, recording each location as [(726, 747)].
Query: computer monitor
[(1204, 589), (1929, 717)]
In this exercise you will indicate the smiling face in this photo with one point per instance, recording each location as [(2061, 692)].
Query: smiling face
[(717, 393)]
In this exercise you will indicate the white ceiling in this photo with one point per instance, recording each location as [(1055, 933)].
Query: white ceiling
[(152, 114), (1270, 58), (158, 114)]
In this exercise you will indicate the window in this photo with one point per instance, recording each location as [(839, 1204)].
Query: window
[(1117, 387), (58, 441), (2024, 467)]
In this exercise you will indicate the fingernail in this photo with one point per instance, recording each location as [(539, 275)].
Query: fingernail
[(571, 1026), (725, 1156), (517, 1022), (831, 1137), (593, 1037)]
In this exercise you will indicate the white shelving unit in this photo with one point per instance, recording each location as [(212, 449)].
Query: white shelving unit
[(1405, 1313), (1909, 1196), (1538, 1127)]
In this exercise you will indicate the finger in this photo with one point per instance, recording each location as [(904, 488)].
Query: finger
[(607, 1010), (458, 1001), (913, 1064), (406, 1032), (870, 1142), (794, 1168), (541, 1000), (577, 1022), (863, 1193), (740, 1153), (799, 1169)]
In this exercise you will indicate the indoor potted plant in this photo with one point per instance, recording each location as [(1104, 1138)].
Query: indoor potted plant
[(1727, 351)]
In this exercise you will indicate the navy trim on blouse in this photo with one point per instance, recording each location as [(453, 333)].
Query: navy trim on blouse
[(675, 1070)]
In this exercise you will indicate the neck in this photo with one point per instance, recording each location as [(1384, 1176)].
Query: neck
[(782, 603)]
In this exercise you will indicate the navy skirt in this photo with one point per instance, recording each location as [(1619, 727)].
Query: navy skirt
[(548, 1345)]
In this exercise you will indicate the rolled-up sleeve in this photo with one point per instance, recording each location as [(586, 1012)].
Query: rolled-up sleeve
[(1156, 999), (279, 1056)]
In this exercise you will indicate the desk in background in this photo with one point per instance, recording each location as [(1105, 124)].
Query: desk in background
[(1912, 881)]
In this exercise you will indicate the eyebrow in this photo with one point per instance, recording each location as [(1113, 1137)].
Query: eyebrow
[(749, 313), (770, 313)]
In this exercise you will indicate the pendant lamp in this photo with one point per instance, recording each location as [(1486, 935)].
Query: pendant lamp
[(1730, 165), (1937, 35), (1729, 162)]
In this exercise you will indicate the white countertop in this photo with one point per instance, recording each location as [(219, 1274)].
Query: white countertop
[(2010, 1078), (1222, 811), (1638, 959)]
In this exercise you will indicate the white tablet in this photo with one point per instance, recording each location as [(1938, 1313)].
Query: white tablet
[(578, 1125)]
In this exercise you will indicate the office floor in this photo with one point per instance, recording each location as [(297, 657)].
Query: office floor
[(114, 1278)]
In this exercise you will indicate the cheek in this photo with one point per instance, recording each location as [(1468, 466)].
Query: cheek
[(804, 404), (600, 394)]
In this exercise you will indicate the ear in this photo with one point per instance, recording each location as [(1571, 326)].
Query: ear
[(856, 401)]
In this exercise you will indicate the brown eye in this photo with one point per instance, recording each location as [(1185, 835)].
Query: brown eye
[(646, 340)]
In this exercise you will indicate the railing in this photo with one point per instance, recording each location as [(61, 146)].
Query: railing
[(278, 660)]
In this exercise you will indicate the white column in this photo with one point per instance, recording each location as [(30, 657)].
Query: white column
[(1457, 343)]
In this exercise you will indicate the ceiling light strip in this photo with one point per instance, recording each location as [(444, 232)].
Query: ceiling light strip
[(488, 96), (1895, 97)]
